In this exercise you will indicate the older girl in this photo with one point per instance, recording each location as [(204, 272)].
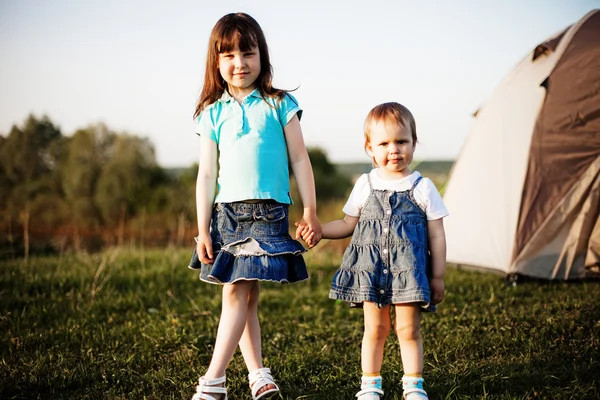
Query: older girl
[(249, 131)]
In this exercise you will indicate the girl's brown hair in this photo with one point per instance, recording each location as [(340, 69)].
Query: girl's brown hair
[(392, 113), (242, 30)]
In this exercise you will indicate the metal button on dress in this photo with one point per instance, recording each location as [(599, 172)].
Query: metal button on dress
[(384, 251), (382, 291), (385, 271), (385, 230), (388, 212)]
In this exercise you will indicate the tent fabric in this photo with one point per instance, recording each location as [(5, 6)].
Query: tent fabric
[(565, 140), (524, 189), (548, 46)]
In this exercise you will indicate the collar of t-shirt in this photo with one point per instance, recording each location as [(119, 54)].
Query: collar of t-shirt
[(226, 97), (398, 185)]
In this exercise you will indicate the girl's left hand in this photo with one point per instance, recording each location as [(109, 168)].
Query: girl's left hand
[(437, 288)]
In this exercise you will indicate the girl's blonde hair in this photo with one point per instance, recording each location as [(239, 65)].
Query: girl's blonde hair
[(236, 29), (391, 113)]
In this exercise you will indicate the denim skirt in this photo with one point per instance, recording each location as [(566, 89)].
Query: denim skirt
[(251, 241)]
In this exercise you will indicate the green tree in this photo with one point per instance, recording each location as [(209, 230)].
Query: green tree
[(87, 152), (29, 159), (124, 185), (5, 191), (182, 202), (329, 184)]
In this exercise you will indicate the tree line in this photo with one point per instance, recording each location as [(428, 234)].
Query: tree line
[(98, 187)]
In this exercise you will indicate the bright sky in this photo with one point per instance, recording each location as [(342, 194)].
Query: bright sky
[(138, 65)]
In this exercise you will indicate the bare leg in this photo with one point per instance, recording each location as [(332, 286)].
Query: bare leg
[(250, 342), (231, 325), (377, 328), (408, 329)]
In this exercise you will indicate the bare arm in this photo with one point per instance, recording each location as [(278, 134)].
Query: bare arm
[(205, 196), (340, 228), (437, 247), (303, 173)]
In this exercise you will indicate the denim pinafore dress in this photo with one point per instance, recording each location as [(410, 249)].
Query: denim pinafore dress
[(387, 260)]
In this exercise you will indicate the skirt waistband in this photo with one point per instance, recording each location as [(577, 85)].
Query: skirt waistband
[(244, 207)]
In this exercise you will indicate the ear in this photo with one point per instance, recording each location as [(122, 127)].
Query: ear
[(369, 150)]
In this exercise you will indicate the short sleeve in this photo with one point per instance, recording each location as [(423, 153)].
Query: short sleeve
[(427, 195), (205, 126), (288, 107), (358, 197)]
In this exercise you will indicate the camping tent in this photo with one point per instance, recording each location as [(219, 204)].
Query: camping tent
[(524, 192)]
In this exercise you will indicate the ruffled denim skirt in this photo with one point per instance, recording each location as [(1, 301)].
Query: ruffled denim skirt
[(251, 241)]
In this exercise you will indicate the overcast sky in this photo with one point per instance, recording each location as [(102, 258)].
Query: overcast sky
[(138, 65)]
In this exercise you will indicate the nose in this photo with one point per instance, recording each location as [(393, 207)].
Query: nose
[(394, 148), (238, 61)]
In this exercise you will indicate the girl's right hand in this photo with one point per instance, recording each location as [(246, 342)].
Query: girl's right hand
[(204, 249), (303, 231), (309, 232)]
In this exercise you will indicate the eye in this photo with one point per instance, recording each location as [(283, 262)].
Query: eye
[(226, 55)]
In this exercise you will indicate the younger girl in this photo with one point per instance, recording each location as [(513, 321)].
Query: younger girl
[(248, 132), (396, 216)]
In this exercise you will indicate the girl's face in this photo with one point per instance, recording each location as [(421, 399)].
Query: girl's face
[(391, 146), (240, 69)]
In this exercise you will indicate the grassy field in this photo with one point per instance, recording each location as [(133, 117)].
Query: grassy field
[(140, 325)]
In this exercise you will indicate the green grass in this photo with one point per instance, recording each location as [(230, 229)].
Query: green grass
[(133, 325)]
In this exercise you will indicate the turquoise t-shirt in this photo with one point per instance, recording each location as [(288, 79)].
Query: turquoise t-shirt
[(253, 158)]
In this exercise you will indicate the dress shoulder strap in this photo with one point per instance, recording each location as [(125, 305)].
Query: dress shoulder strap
[(370, 183), (416, 183), (411, 195)]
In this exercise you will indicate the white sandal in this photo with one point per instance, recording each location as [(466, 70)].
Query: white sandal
[(371, 393), (258, 380), (206, 387), (415, 394)]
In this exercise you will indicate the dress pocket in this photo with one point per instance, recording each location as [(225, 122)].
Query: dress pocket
[(272, 221), (228, 220)]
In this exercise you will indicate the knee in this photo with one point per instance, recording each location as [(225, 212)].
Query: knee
[(408, 332), (378, 331), (237, 293), (253, 295)]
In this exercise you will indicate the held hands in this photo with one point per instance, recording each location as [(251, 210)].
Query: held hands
[(309, 229), (204, 249), (437, 287)]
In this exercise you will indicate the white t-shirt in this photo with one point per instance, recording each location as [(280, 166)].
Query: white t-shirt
[(426, 194)]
